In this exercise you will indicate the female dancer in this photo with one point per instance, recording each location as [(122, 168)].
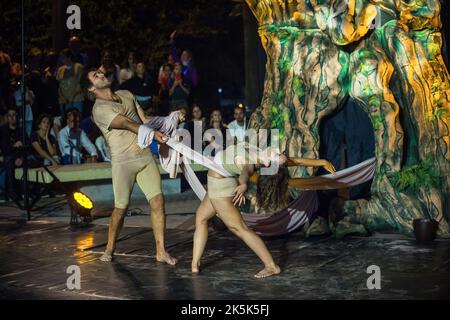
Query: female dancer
[(225, 195)]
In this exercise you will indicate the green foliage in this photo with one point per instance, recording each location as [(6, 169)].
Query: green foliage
[(377, 121), (422, 175), (284, 64), (298, 86), (284, 31), (278, 116), (437, 113)]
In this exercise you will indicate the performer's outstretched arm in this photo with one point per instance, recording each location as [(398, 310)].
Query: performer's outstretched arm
[(312, 163)]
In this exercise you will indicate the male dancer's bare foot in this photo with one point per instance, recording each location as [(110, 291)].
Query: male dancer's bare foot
[(268, 271), (166, 258), (106, 257)]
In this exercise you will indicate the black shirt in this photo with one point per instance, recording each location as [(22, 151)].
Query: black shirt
[(9, 137), (36, 138), (138, 87)]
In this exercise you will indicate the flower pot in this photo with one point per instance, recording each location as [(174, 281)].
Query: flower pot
[(425, 229)]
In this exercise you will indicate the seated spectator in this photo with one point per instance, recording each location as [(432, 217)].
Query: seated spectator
[(73, 141), (179, 89), (128, 68), (141, 86), (89, 127), (68, 76), (238, 127), (196, 127), (102, 145), (105, 150), (44, 143), (11, 144), (216, 135)]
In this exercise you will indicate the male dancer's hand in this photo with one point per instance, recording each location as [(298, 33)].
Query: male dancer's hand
[(161, 138)]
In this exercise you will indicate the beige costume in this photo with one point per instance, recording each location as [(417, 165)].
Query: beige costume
[(129, 162)]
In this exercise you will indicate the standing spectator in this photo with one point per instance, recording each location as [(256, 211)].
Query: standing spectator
[(128, 68), (72, 141), (75, 49), (140, 86), (5, 71), (164, 88), (50, 86), (239, 125), (110, 69), (10, 144), (187, 61), (35, 60), (44, 143), (29, 96), (169, 62), (179, 89), (68, 76)]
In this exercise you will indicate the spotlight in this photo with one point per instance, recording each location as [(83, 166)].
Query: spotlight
[(241, 106), (80, 205), (219, 90)]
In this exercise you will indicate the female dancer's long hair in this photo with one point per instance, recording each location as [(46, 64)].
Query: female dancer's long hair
[(272, 191)]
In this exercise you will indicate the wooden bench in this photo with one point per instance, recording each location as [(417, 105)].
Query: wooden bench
[(81, 172), (95, 179)]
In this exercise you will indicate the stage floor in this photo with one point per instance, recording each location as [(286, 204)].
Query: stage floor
[(34, 258)]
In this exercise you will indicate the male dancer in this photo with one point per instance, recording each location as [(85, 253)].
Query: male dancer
[(115, 113)]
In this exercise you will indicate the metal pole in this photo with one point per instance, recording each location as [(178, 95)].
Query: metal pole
[(24, 131)]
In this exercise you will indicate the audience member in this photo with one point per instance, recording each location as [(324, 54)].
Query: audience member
[(68, 76), (73, 142), (238, 127), (44, 143)]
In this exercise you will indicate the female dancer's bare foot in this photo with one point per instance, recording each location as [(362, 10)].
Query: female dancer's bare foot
[(106, 257), (195, 268), (166, 258), (268, 271)]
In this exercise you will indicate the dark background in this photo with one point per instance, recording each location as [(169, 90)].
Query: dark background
[(222, 34)]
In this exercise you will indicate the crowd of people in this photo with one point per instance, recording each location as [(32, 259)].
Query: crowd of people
[(58, 122)]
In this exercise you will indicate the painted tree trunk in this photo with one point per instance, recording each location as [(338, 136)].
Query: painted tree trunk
[(397, 75), (306, 79)]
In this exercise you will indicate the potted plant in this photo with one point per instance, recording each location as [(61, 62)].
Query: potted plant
[(413, 178)]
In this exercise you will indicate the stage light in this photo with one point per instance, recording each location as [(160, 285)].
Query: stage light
[(241, 106), (80, 205), (219, 90)]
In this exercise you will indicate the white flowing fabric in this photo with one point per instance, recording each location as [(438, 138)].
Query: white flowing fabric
[(295, 215)]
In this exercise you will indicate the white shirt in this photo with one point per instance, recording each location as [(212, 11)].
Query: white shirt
[(237, 131), (101, 145), (68, 145)]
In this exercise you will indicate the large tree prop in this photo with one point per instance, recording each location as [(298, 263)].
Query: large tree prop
[(386, 54)]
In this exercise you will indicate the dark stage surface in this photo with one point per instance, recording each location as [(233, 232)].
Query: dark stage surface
[(34, 258)]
